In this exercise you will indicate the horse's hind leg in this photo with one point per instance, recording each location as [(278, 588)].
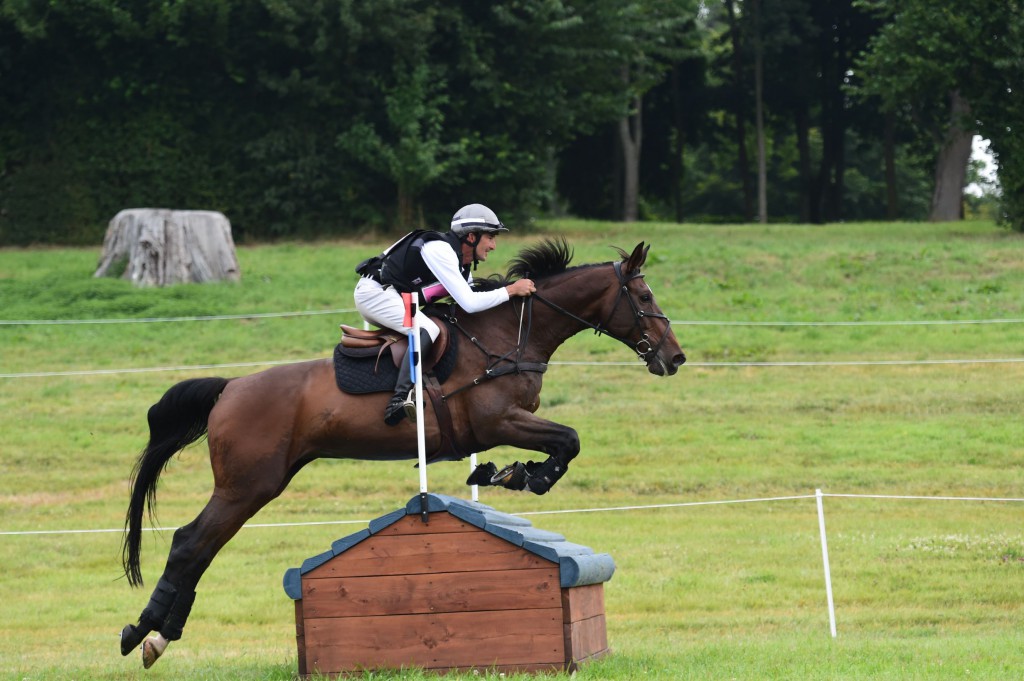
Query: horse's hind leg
[(193, 548), (525, 430)]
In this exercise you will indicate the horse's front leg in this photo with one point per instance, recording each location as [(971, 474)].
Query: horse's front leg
[(526, 431)]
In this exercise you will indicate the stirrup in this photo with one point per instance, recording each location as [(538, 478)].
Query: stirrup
[(410, 409)]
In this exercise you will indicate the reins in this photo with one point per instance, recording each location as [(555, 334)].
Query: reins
[(502, 365)]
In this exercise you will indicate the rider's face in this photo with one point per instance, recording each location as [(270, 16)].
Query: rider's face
[(482, 243)]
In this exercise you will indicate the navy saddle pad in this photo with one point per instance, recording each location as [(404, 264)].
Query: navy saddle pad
[(367, 370)]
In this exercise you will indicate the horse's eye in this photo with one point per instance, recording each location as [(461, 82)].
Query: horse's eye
[(645, 298)]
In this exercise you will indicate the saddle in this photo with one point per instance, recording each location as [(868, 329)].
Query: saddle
[(380, 340), (368, 361)]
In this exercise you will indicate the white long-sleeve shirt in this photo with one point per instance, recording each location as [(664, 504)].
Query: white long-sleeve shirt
[(442, 261)]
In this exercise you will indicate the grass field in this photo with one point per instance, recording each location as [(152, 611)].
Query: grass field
[(820, 357)]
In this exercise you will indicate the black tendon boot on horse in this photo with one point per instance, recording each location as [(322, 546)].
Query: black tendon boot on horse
[(152, 617), (154, 646), (167, 612), (402, 404)]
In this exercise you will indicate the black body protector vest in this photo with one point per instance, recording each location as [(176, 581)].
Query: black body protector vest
[(402, 265)]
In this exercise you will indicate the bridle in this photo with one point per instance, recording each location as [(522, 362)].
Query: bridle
[(512, 362), (643, 346)]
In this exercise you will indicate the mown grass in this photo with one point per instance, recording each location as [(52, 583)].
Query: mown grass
[(923, 588)]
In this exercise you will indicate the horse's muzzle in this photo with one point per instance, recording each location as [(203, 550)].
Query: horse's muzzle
[(659, 367)]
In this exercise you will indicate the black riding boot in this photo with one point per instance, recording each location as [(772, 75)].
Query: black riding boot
[(402, 403)]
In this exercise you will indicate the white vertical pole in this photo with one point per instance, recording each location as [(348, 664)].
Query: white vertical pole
[(824, 558), (421, 437), (472, 467)]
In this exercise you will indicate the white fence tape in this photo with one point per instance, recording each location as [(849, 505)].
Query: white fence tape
[(601, 509), (818, 496), (705, 365)]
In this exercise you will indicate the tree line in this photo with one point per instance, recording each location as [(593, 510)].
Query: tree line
[(304, 118)]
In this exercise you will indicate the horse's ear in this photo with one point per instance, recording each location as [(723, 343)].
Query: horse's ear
[(637, 258)]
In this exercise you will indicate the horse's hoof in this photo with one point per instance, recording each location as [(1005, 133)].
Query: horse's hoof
[(482, 474), (512, 476), (152, 648), (130, 638)]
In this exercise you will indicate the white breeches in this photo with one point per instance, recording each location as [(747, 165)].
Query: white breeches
[(384, 307)]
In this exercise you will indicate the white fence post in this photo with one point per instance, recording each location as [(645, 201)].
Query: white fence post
[(475, 489), (824, 558), (417, 377)]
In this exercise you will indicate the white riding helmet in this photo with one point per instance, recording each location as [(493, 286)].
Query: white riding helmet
[(476, 217)]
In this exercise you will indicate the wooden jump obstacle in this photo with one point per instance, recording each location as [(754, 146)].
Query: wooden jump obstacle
[(471, 589)]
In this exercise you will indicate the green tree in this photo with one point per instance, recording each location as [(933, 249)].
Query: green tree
[(402, 136), (291, 116), (648, 44), (952, 71), (653, 35), (532, 76)]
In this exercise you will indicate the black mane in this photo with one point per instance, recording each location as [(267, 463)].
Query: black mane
[(550, 257)]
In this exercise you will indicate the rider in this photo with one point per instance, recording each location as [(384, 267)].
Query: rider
[(433, 264)]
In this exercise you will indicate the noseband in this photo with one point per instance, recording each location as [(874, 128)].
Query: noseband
[(643, 346)]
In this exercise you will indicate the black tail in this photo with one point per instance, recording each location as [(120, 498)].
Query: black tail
[(176, 421)]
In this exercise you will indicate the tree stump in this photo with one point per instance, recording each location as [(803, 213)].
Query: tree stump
[(160, 247)]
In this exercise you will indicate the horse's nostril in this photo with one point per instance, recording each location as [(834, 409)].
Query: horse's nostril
[(679, 360)]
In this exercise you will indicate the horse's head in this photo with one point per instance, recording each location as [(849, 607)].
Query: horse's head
[(623, 308), (633, 316)]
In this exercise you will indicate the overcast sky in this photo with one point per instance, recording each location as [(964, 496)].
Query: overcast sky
[(980, 151)]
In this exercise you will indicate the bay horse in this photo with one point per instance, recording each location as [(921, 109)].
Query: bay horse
[(264, 427)]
